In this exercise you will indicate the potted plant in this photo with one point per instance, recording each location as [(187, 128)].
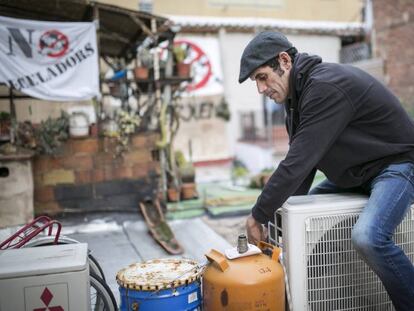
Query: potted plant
[(259, 181), (180, 54), (173, 188), (240, 173), (173, 194), (144, 61), (186, 172), (5, 124)]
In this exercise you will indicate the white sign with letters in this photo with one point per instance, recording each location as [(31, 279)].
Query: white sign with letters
[(49, 60)]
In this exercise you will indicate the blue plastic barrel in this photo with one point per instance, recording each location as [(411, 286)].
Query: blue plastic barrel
[(169, 284), (182, 298)]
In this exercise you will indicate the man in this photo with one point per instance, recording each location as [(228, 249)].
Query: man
[(345, 123)]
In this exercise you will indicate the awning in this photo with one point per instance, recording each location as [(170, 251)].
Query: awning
[(120, 30), (197, 24)]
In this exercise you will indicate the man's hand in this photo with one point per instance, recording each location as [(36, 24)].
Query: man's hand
[(254, 230)]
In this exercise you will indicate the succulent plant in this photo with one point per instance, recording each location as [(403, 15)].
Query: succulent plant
[(179, 53)]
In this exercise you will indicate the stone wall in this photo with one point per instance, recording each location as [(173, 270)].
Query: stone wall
[(393, 42), (16, 189), (86, 176)]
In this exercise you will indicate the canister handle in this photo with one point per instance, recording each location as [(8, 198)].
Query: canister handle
[(218, 258), (275, 250)]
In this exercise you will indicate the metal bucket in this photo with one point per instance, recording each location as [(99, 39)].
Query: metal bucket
[(160, 285)]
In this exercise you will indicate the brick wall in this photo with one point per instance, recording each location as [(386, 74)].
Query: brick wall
[(86, 176), (393, 42), (280, 139)]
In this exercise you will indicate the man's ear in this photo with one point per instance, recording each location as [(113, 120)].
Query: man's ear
[(284, 60)]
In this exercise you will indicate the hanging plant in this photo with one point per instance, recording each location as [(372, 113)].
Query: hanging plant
[(127, 122), (51, 134)]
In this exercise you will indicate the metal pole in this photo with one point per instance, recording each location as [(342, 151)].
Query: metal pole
[(97, 25), (158, 104), (12, 105), (13, 119)]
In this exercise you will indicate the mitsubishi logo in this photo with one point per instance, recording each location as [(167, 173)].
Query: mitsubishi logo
[(46, 298)]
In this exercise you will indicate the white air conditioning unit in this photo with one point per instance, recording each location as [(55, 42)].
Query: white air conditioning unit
[(45, 278), (323, 269)]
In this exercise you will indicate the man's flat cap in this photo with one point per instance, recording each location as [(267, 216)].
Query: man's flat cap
[(265, 46)]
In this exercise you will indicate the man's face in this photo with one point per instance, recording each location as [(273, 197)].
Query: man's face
[(273, 83)]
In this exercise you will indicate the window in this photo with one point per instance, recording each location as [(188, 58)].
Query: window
[(145, 6), (248, 126), (273, 113)]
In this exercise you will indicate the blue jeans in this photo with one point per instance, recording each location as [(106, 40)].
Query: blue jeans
[(391, 193)]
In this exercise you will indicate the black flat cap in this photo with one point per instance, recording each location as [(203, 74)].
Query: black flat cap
[(260, 50)]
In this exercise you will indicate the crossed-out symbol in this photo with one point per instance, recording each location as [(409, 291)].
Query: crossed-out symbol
[(47, 297)]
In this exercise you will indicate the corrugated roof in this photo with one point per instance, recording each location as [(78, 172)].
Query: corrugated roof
[(246, 24)]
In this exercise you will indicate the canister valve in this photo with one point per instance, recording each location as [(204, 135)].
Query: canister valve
[(242, 245)]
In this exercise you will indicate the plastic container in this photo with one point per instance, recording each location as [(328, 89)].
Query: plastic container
[(78, 125)]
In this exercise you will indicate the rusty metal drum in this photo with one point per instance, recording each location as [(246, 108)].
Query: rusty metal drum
[(160, 285)]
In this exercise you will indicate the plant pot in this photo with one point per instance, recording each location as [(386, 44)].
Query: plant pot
[(141, 73), (187, 173), (93, 129), (5, 129), (78, 125), (265, 179), (173, 195), (189, 191), (183, 70), (115, 90)]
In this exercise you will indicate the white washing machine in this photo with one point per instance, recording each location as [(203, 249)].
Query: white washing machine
[(45, 278)]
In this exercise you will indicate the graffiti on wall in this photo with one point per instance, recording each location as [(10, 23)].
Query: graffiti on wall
[(203, 54)]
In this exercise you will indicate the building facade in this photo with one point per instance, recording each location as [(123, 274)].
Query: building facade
[(392, 42)]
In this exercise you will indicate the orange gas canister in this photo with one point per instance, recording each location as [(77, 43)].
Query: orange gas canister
[(254, 282)]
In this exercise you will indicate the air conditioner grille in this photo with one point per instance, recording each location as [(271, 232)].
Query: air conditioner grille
[(337, 279)]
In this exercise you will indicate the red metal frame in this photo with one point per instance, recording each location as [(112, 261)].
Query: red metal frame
[(32, 229)]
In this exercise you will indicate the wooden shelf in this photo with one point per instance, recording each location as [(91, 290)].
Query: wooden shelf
[(163, 81), (148, 85), (167, 80)]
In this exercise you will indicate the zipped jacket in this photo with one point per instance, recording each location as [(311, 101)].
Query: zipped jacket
[(341, 121)]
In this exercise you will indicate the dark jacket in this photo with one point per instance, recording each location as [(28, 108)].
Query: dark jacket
[(341, 121)]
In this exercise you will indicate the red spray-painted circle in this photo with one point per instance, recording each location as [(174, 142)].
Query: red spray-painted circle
[(200, 64), (53, 43)]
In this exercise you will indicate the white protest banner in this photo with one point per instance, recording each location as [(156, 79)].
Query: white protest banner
[(49, 60)]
